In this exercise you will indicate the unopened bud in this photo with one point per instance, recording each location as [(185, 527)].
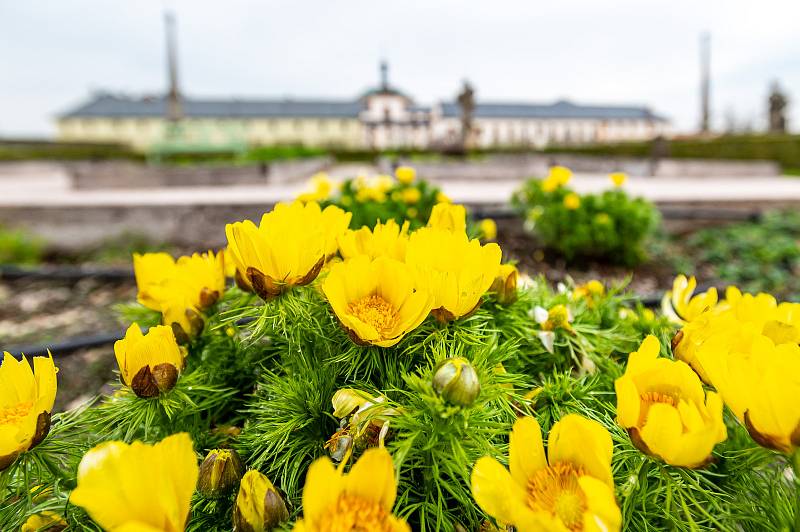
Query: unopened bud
[(219, 473), (456, 380), (259, 507), (505, 284)]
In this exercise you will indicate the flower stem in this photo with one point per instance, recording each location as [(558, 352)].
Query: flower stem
[(796, 464)]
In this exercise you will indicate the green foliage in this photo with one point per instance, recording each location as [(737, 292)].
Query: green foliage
[(279, 153), (382, 199), (20, 247), (760, 256), (23, 150), (272, 369), (784, 149), (610, 226)]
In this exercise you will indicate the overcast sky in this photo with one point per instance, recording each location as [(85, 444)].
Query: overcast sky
[(54, 53)]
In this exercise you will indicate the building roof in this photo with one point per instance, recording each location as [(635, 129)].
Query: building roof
[(116, 106), (108, 105), (559, 109)]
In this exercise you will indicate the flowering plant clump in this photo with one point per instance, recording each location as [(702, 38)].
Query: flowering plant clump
[(411, 381), (611, 225), (402, 197)]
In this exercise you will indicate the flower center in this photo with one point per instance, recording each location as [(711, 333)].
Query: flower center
[(555, 490), (12, 415), (352, 513), (376, 311), (658, 397), (650, 398)]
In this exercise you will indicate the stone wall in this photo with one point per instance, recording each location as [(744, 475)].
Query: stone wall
[(515, 167), (124, 174)]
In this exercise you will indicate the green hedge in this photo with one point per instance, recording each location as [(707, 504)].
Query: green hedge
[(22, 150), (784, 149)]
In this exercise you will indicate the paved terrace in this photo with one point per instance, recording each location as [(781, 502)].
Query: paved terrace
[(43, 200)]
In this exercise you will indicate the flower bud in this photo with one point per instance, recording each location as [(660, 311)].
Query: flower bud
[(456, 380), (259, 507), (219, 473), (505, 284)]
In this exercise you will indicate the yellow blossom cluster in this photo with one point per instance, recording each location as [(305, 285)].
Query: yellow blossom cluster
[(746, 347)]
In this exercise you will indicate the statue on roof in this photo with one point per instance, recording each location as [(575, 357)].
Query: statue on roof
[(466, 100), (777, 109)]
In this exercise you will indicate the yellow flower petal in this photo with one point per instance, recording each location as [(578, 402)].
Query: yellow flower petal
[(495, 491), (372, 478), (323, 486), (138, 483), (603, 514), (584, 443), (526, 451)]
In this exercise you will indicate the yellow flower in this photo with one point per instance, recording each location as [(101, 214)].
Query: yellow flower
[(149, 363), (405, 174), (505, 284), (335, 221), (618, 178), (589, 291), (411, 195), (558, 176), (387, 239), (448, 217), (668, 415), (180, 289), (26, 401), (561, 174), (321, 187), (376, 301), (571, 489), (138, 486), (288, 248), (456, 270), (230, 266), (370, 193), (735, 322), (360, 500), (550, 184), (150, 270), (46, 521), (382, 182), (488, 228), (759, 382), (679, 305), (572, 201), (259, 507), (441, 197)]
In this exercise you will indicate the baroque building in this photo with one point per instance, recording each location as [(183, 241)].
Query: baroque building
[(381, 118)]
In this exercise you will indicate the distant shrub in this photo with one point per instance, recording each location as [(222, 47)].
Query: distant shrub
[(378, 198), (610, 226), (19, 247), (783, 149)]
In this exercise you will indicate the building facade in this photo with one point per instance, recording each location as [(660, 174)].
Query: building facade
[(382, 118)]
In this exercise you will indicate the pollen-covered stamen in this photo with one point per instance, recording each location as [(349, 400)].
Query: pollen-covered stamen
[(555, 490), (376, 311), (352, 513), (650, 398), (14, 414), (658, 397)]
